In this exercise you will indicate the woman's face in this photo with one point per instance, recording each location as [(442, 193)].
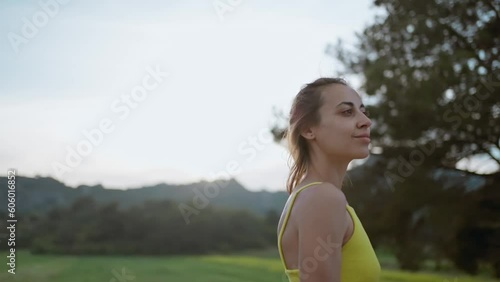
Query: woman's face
[(344, 129)]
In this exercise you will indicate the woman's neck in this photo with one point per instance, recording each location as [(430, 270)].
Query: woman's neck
[(322, 169)]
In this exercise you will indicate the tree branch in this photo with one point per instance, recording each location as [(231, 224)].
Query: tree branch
[(493, 8)]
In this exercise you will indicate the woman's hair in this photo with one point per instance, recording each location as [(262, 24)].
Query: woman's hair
[(304, 112)]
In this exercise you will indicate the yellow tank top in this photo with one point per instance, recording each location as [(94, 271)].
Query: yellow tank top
[(359, 261)]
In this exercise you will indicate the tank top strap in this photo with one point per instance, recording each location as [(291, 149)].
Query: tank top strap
[(305, 186), (285, 221)]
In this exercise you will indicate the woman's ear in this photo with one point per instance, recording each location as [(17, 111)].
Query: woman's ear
[(307, 133)]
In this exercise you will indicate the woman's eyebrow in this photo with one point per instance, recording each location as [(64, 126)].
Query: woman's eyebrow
[(350, 104)]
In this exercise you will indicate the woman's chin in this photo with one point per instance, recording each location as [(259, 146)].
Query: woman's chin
[(363, 154)]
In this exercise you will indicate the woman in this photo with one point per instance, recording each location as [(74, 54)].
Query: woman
[(320, 238)]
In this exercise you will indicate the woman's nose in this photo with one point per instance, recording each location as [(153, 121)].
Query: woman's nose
[(365, 121)]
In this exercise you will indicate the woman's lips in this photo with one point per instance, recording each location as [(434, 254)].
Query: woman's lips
[(364, 138)]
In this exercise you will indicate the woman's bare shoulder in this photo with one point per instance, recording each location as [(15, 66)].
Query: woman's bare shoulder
[(322, 191), (324, 197), (321, 217)]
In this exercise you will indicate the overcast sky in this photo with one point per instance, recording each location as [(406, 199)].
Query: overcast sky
[(179, 91)]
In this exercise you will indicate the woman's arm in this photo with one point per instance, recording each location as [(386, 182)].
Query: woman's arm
[(321, 214)]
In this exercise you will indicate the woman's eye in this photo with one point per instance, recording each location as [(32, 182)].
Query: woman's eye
[(367, 113), (349, 112)]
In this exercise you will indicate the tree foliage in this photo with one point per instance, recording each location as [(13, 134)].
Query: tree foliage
[(433, 67), (155, 227)]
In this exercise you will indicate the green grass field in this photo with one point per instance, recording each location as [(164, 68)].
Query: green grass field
[(213, 268)]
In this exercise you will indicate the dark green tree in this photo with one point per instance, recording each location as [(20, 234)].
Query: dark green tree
[(432, 69)]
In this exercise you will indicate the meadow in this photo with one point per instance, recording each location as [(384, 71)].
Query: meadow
[(255, 267)]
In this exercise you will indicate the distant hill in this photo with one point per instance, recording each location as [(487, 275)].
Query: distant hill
[(42, 193)]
